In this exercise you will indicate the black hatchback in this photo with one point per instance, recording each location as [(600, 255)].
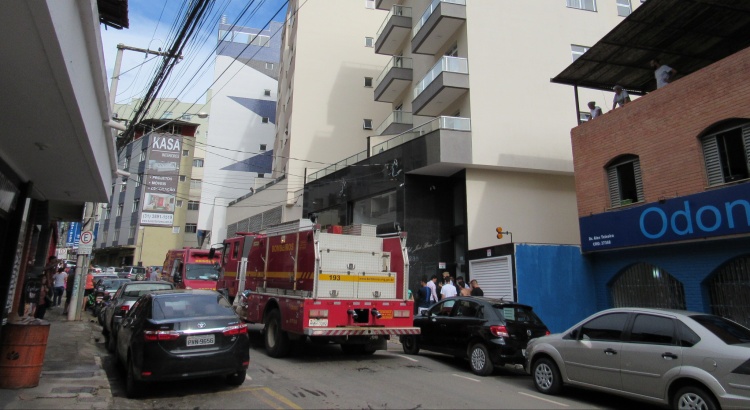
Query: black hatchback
[(182, 334), (489, 332)]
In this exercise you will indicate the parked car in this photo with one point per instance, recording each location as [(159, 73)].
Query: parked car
[(109, 285), (132, 272), (119, 305), (489, 332), (179, 334), (686, 360)]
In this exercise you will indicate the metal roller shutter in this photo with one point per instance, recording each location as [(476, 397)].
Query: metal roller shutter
[(495, 277)]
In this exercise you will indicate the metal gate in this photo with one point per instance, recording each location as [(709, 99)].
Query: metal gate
[(648, 286), (729, 290), (495, 277)]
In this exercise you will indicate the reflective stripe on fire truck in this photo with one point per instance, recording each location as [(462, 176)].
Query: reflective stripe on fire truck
[(356, 278), (282, 275), (339, 331)]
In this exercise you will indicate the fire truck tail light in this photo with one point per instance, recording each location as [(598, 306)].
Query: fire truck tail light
[(318, 313), (235, 330), (400, 313)]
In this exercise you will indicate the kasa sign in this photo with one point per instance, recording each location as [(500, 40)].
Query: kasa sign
[(716, 213)]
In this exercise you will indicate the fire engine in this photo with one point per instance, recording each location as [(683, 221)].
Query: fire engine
[(347, 286), (191, 268)]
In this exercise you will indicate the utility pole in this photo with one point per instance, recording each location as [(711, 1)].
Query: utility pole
[(118, 63), (76, 306)]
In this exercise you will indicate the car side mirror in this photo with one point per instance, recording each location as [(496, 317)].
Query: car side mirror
[(211, 253)]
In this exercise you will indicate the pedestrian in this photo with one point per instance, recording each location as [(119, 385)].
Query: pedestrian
[(432, 284), (58, 281), (594, 109), (425, 296), (45, 299), (621, 97), (663, 73), (448, 290), (154, 274), (51, 268), (461, 287), (69, 284), (31, 296), (475, 289)]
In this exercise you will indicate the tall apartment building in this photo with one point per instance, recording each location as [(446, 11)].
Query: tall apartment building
[(242, 122), (474, 139)]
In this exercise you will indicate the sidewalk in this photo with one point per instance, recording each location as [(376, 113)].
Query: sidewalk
[(72, 372)]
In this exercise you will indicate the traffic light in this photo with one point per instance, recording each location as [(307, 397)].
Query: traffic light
[(500, 232)]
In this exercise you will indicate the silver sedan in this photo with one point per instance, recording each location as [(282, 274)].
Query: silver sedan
[(686, 360)]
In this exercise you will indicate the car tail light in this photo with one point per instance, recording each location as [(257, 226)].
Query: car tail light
[(145, 374), (547, 333), (401, 313), (124, 309), (499, 331), (318, 313), (160, 335), (235, 330)]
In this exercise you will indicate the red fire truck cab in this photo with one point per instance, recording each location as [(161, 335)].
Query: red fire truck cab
[(190, 268)]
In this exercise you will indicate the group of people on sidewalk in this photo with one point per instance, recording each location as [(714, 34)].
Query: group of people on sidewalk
[(430, 291), (662, 73), (46, 291)]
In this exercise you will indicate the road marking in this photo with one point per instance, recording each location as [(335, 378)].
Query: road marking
[(406, 357), (467, 378), (270, 392), (543, 399)]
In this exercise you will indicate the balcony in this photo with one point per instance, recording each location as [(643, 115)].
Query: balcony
[(395, 29), (385, 4), (396, 123), (438, 23), (394, 79), (445, 83)]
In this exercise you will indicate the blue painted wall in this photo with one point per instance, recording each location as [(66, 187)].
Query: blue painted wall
[(557, 281)]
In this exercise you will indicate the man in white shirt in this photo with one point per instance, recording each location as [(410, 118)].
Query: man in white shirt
[(662, 72), (594, 109), (433, 289), (59, 279), (448, 290)]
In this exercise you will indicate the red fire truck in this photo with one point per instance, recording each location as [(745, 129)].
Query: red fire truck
[(191, 268), (348, 288)]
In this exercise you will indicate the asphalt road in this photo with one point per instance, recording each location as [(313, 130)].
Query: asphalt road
[(323, 377)]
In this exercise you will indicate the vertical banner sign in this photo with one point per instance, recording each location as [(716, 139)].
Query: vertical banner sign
[(162, 176), (74, 234)]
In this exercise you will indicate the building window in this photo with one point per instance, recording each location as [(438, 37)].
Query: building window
[(178, 203), (186, 117), (123, 185), (261, 175), (195, 184), (726, 154), (262, 147), (167, 115), (183, 178), (138, 180), (623, 8), (193, 205), (262, 41), (269, 66), (578, 51), (119, 210), (136, 204), (175, 229), (369, 42), (367, 124), (117, 234), (368, 81), (198, 163), (453, 51), (589, 5), (191, 228), (126, 163), (131, 234), (370, 4), (142, 157), (624, 180), (186, 153), (265, 120), (267, 92)]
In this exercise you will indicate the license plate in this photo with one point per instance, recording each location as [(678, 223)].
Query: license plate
[(318, 322), (203, 340)]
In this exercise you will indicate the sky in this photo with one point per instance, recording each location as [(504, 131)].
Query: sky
[(153, 24)]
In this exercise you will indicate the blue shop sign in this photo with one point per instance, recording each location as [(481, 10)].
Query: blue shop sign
[(718, 212), (74, 234)]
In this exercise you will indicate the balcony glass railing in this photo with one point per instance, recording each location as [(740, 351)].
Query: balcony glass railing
[(396, 117), (439, 123), (395, 11), (445, 64), (428, 12), (395, 62), (337, 166)]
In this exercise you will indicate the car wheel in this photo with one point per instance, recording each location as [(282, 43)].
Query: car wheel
[(132, 386), (546, 376), (479, 358), (277, 341), (410, 344), (236, 379), (693, 398)]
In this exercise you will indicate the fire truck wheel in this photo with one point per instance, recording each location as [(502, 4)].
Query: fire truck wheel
[(277, 341), (410, 345)]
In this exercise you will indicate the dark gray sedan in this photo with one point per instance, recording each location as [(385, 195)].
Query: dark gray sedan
[(686, 360), (123, 299)]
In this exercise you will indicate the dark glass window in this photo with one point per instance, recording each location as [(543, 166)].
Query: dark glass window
[(729, 332), (688, 338), (652, 329), (442, 309), (607, 327)]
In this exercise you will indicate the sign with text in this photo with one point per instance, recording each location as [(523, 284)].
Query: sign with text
[(74, 232), (714, 213), (162, 177)]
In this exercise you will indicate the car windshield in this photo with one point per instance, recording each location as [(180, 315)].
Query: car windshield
[(729, 332), (186, 305), (518, 314), (137, 289), (197, 271)]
